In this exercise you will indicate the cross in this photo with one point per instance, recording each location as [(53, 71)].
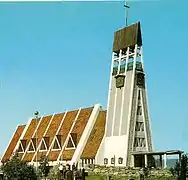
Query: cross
[(126, 15)]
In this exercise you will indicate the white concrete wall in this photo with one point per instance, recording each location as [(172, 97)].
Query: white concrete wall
[(115, 106), (115, 146), (99, 158), (111, 107), (126, 103), (117, 110), (85, 135)]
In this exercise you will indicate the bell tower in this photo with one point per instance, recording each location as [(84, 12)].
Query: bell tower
[(127, 125)]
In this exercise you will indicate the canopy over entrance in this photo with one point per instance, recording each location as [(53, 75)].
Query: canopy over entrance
[(147, 159)]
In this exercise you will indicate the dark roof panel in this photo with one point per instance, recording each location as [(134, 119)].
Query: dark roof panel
[(127, 37)]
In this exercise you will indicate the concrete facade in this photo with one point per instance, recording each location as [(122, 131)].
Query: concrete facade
[(127, 124)]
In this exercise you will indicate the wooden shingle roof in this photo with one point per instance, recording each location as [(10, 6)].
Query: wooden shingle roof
[(63, 127), (36, 134), (13, 142), (95, 137)]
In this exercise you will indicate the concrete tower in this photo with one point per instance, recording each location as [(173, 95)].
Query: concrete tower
[(128, 126)]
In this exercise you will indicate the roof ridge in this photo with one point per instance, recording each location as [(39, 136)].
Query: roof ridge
[(21, 125), (67, 110), (57, 113)]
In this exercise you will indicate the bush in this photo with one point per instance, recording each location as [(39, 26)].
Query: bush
[(44, 166), (54, 173), (15, 169)]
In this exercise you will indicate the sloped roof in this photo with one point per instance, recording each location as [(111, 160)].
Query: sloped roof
[(54, 126), (32, 126), (66, 126), (95, 137), (50, 133), (13, 143), (42, 127), (40, 132), (60, 125), (129, 36), (78, 129)]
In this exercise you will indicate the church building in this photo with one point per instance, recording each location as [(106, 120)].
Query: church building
[(93, 135)]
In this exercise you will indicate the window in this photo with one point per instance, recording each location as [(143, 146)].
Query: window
[(42, 146), (92, 161), (143, 142), (122, 66), (115, 67), (140, 142), (105, 161), (112, 160), (120, 160), (85, 161), (139, 110), (47, 141), (22, 146), (82, 162), (135, 142), (57, 143), (72, 141), (139, 126), (139, 98), (31, 147), (142, 127), (34, 140)]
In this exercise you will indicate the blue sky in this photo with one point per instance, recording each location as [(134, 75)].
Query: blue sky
[(56, 56)]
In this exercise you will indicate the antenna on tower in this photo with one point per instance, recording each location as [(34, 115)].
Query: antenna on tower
[(126, 12)]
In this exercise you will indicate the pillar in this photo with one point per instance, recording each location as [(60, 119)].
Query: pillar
[(180, 158), (165, 160), (132, 161), (146, 160), (161, 160)]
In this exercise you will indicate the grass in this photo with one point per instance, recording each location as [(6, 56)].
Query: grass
[(95, 177)]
